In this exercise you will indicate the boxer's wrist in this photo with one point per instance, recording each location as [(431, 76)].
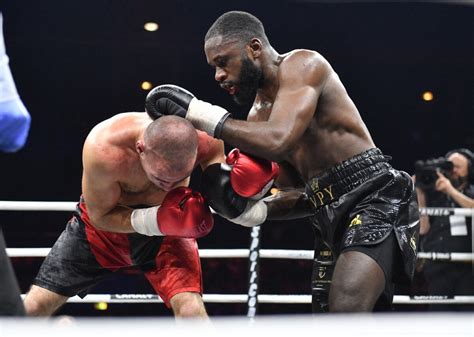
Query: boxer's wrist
[(144, 221), (254, 214), (207, 117)]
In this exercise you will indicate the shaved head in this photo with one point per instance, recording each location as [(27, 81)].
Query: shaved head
[(237, 25), (173, 141)]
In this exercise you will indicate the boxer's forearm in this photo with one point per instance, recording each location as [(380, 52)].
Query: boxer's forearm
[(117, 220), (287, 205), (270, 144)]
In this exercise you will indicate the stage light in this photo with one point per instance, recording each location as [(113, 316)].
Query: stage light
[(146, 85), (101, 306), (427, 96), (151, 26)]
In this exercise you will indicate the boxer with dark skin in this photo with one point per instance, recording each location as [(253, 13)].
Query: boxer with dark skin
[(303, 118)]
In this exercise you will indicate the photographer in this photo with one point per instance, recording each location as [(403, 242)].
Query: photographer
[(447, 182)]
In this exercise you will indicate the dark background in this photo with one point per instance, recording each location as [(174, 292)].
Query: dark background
[(77, 63)]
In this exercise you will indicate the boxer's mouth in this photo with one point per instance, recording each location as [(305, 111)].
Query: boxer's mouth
[(229, 87)]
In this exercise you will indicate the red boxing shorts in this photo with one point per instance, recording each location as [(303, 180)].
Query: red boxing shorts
[(83, 255)]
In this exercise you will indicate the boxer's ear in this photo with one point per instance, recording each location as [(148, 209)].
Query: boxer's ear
[(140, 146), (255, 48)]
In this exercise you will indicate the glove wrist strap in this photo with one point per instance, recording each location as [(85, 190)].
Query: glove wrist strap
[(254, 214), (207, 117), (144, 221)]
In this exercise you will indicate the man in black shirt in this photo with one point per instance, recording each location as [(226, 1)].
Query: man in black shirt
[(451, 233)]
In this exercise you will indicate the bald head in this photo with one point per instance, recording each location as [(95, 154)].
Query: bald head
[(173, 141)]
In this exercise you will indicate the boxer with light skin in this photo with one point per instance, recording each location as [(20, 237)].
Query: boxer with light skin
[(363, 211), (130, 160)]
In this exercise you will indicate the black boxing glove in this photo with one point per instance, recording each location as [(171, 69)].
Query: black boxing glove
[(167, 99), (217, 189), (170, 99)]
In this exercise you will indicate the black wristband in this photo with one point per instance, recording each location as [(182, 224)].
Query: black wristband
[(220, 126)]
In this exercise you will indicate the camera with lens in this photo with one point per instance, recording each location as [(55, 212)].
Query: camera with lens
[(425, 171)]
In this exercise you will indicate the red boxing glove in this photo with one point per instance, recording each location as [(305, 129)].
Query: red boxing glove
[(184, 213), (251, 177)]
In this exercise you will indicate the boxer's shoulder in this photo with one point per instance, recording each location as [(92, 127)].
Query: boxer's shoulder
[(114, 127), (209, 149), (303, 65), (302, 57), (108, 146)]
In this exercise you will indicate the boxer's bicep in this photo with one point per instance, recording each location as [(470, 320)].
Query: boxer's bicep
[(100, 195), (292, 112), (100, 189), (302, 79)]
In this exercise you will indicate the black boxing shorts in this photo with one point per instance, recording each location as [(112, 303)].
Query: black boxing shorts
[(358, 204), (83, 255)]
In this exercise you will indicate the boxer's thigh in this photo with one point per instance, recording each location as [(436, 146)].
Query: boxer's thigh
[(362, 274), (178, 269), (70, 268)]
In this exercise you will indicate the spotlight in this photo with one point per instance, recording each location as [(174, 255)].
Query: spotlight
[(427, 96), (101, 306), (146, 85), (151, 26)]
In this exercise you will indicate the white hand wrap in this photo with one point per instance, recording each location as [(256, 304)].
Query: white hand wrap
[(206, 117), (255, 214), (144, 221)]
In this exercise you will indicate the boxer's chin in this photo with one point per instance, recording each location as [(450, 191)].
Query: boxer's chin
[(245, 96), (249, 81)]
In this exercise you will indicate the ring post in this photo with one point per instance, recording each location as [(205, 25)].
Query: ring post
[(254, 255)]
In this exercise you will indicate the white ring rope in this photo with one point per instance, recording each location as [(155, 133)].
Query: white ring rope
[(262, 298), (241, 253), (438, 256), (264, 253), (71, 206), (65, 206), (229, 253)]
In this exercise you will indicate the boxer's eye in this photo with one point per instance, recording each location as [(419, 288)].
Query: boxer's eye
[(221, 62), (161, 180), (170, 182)]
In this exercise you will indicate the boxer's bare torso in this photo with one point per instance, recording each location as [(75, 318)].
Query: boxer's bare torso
[(302, 112), (113, 176), (335, 130)]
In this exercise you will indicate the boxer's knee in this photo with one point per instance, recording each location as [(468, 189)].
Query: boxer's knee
[(42, 302), (188, 304), (347, 298), (357, 283)]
